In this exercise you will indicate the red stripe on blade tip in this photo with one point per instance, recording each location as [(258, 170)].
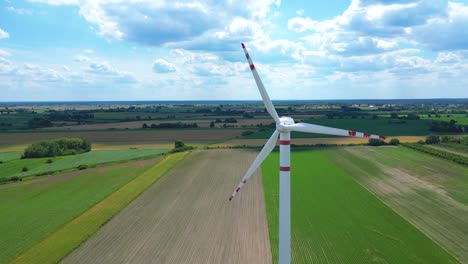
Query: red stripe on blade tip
[(382, 137), (243, 46), (285, 142), (244, 181), (230, 197), (252, 67), (238, 189), (285, 168)]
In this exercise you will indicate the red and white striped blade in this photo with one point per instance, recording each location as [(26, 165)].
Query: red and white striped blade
[(310, 128), (269, 146), (266, 99)]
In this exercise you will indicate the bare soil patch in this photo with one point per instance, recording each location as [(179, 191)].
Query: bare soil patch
[(185, 217)]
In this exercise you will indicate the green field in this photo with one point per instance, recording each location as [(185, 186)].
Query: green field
[(7, 156), (36, 166), (336, 220), (381, 126), (462, 119), (31, 212), (428, 191)]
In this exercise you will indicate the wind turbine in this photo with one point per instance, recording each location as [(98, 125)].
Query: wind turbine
[(284, 126)]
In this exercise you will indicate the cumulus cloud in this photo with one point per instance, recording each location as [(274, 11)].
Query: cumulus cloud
[(374, 26), (104, 70), (4, 34), (171, 22), (163, 66)]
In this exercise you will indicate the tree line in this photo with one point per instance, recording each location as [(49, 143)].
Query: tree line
[(57, 147)]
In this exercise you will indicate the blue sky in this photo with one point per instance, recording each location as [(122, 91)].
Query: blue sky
[(54, 50)]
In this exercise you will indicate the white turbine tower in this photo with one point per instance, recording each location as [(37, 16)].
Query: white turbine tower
[(284, 126)]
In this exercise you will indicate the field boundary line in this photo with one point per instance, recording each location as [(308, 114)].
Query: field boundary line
[(63, 241), (404, 218)]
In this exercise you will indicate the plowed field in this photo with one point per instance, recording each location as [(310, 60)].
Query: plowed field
[(186, 218)]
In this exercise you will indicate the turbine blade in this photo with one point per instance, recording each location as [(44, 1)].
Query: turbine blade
[(310, 128), (269, 146), (266, 99)]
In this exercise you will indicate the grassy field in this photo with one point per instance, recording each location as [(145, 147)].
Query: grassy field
[(456, 148), (61, 242), (14, 167), (7, 156), (427, 191), (336, 220), (462, 119), (31, 212)]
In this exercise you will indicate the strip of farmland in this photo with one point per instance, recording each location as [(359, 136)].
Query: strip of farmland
[(185, 218), (336, 220), (427, 191), (155, 135)]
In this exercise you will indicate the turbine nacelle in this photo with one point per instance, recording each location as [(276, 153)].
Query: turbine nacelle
[(284, 121)]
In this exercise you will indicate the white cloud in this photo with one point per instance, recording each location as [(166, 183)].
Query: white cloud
[(4, 53), (19, 11), (448, 33), (162, 66), (381, 25), (82, 58), (192, 25), (4, 34), (56, 2), (299, 24)]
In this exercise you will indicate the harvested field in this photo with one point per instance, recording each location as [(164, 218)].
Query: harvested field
[(185, 217), (427, 191), (313, 141), (208, 135)]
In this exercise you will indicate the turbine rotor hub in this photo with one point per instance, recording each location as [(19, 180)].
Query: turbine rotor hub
[(284, 120)]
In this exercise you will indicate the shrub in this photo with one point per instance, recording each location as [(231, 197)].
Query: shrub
[(15, 178), (376, 142), (179, 144), (82, 167), (394, 141), (181, 149), (49, 161), (24, 169), (432, 139), (1, 162)]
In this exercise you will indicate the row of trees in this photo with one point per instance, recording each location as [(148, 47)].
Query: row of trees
[(171, 125), (451, 126), (57, 147)]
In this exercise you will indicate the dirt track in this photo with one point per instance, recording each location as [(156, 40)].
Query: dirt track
[(186, 218)]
